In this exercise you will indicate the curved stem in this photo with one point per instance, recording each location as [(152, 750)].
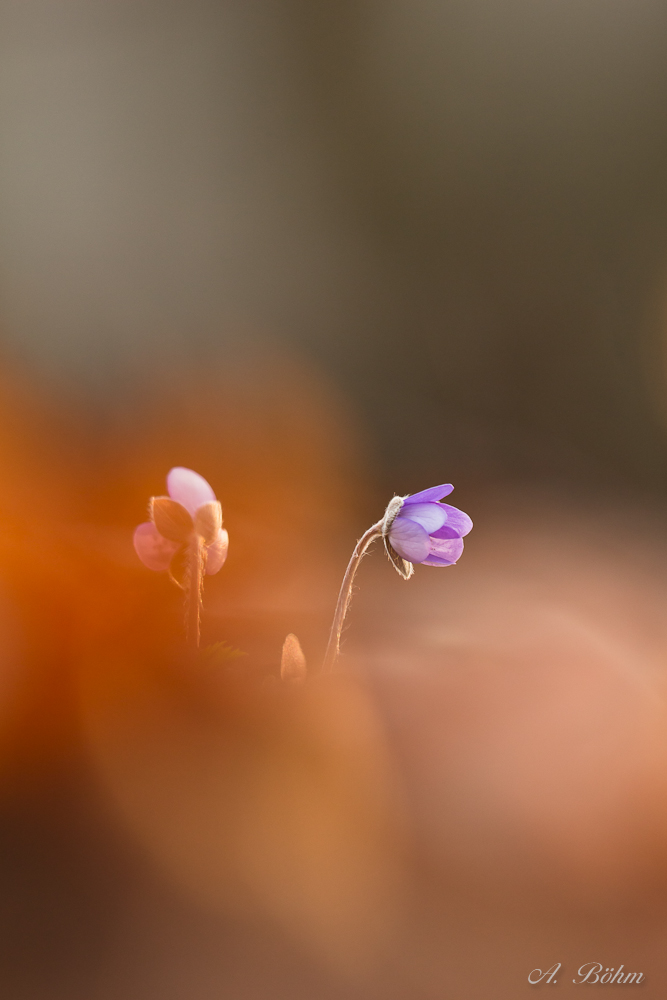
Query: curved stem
[(194, 589), (345, 595)]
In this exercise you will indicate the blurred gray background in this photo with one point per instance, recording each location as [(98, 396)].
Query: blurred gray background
[(454, 209)]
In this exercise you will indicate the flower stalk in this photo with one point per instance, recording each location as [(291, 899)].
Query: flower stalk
[(345, 594), (193, 590)]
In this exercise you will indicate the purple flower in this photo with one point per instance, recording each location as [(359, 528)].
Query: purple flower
[(418, 529), (190, 511)]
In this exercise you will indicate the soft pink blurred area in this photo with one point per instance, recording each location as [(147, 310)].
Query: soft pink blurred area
[(524, 695), (529, 695)]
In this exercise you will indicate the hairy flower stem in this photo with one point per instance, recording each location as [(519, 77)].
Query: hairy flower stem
[(346, 593), (193, 590)]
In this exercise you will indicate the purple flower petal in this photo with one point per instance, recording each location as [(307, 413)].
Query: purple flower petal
[(447, 531), (435, 493), (409, 539), (154, 551), (431, 516), (444, 551), (457, 524), (216, 552), (188, 488)]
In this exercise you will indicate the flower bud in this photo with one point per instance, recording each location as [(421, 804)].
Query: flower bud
[(293, 663)]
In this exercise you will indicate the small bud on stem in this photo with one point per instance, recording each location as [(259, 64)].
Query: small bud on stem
[(293, 663)]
